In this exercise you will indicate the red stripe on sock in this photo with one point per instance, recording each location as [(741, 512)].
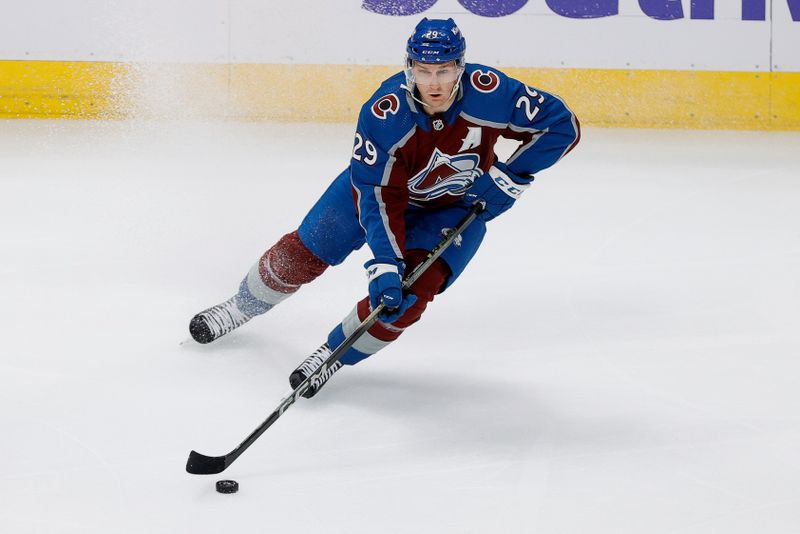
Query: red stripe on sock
[(288, 264), (425, 288)]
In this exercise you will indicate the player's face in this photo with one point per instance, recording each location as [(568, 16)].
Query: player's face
[(435, 83)]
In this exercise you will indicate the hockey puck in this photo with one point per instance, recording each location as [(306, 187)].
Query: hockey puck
[(227, 486)]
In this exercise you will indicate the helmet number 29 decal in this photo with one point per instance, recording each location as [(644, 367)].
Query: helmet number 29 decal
[(531, 109), (371, 152)]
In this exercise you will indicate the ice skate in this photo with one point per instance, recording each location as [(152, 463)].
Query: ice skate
[(309, 366), (217, 321)]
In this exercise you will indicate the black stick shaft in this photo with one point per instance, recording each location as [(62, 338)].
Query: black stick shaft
[(200, 464)]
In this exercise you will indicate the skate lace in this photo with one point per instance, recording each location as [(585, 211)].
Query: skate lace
[(313, 362), (224, 317)]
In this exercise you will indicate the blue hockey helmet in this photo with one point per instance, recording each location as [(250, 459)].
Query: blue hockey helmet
[(436, 41)]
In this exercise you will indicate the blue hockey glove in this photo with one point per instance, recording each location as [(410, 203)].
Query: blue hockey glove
[(385, 286), (497, 190)]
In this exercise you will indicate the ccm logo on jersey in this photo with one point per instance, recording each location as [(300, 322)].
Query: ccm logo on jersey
[(485, 82), (386, 105)]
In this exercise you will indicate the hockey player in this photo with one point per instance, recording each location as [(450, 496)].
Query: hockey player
[(422, 155)]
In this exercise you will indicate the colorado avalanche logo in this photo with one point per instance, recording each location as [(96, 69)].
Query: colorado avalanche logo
[(386, 105), (485, 82), (444, 175)]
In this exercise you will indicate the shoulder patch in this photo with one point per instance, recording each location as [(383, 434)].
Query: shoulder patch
[(386, 105), (485, 82)]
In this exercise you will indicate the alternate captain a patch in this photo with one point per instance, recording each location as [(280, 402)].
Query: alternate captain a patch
[(385, 106), (472, 139), (485, 82)]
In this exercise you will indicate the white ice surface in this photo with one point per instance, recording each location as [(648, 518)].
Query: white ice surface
[(623, 355)]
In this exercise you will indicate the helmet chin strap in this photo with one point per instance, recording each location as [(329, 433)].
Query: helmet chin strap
[(411, 93)]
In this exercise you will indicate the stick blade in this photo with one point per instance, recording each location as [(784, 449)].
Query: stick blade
[(200, 464)]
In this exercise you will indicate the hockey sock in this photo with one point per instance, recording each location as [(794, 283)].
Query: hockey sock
[(381, 334), (278, 274)]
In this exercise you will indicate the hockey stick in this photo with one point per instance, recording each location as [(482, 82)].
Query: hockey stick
[(200, 464)]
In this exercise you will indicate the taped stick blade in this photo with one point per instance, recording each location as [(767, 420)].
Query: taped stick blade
[(200, 464)]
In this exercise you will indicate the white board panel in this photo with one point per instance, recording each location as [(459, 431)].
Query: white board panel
[(342, 32), (785, 38), (119, 30)]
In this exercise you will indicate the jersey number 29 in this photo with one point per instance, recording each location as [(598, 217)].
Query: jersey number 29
[(531, 110), (372, 152)]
